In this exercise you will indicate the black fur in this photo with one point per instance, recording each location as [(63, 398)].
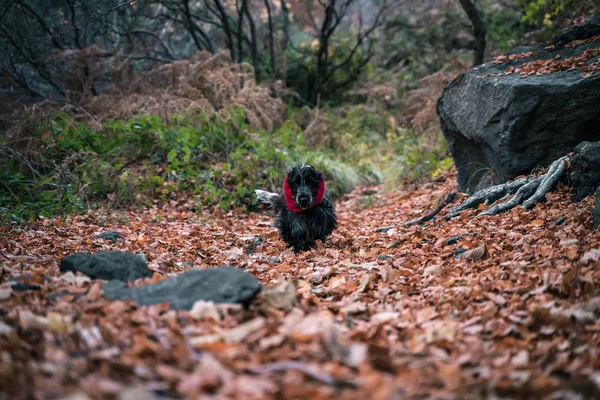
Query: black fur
[(301, 230)]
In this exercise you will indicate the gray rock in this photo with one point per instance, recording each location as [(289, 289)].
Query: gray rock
[(219, 285), (107, 265), (588, 29), (111, 236), (22, 287), (499, 126), (584, 174)]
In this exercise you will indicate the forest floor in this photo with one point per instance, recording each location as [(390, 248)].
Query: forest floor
[(503, 306)]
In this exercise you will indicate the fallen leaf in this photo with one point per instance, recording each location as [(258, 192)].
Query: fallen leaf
[(238, 334), (95, 292), (589, 256), (281, 296), (364, 282), (496, 298), (350, 354), (5, 293), (355, 307), (59, 323), (387, 273), (70, 277), (5, 329), (28, 320), (432, 270), (475, 254), (521, 359), (233, 253), (205, 310)]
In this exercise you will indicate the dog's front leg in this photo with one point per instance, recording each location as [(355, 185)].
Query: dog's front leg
[(302, 244), (300, 239)]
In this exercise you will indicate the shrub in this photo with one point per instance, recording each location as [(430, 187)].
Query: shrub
[(220, 159)]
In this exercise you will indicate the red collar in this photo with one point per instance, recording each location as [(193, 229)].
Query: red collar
[(289, 197)]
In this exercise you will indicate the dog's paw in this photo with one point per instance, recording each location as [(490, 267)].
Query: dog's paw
[(266, 197)]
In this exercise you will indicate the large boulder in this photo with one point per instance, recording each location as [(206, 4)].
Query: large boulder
[(500, 123), (219, 285)]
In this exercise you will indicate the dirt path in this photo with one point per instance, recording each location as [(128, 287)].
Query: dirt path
[(461, 309)]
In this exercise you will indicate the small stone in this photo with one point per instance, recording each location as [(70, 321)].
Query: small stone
[(111, 236), (107, 265), (459, 251), (22, 287)]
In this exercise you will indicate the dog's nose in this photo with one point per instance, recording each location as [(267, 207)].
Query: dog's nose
[(303, 200)]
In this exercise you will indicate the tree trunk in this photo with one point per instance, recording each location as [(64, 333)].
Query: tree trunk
[(323, 52), (226, 28), (479, 29), (240, 30), (271, 41), (253, 44)]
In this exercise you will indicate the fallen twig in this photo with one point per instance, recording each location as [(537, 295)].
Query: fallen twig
[(13, 153), (561, 220), (454, 239), (385, 228), (450, 197)]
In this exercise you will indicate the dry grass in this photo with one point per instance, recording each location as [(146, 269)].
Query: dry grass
[(420, 107), (206, 83)]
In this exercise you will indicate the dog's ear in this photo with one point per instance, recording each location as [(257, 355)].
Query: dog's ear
[(320, 175)]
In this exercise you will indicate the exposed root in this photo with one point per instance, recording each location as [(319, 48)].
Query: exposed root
[(450, 197), (527, 191)]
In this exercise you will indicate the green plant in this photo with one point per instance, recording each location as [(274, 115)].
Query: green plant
[(218, 157), (302, 74)]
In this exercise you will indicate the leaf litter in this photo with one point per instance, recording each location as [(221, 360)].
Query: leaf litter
[(502, 306)]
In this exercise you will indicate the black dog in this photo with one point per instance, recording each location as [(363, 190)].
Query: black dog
[(303, 211)]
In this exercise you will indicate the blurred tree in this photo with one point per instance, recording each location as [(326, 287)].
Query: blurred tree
[(479, 29), (67, 49)]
